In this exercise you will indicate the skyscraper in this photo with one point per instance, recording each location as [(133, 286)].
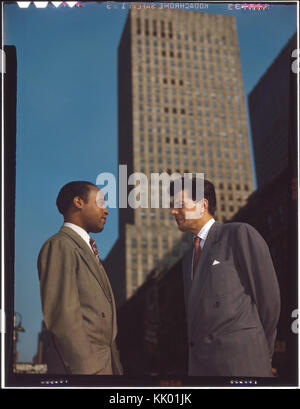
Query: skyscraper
[(269, 111), (181, 109)]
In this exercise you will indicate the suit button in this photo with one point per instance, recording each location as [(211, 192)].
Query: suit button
[(191, 344)]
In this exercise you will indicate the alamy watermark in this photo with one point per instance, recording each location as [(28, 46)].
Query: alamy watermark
[(158, 188), (295, 64), (295, 324)]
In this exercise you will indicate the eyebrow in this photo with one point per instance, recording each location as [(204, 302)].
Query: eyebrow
[(177, 202)]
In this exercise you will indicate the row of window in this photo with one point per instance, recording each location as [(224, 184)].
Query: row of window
[(208, 143), (187, 48), (218, 67), (229, 186), (208, 164), (191, 131), (162, 32), (163, 45), (187, 55), (191, 85), (238, 176), (199, 132), (156, 70), (202, 154)]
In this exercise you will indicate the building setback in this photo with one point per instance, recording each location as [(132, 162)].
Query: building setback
[(181, 109)]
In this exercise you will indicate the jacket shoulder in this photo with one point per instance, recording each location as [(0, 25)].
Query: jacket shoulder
[(59, 238), (242, 229), (238, 226)]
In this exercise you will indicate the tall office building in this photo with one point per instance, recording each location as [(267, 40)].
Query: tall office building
[(269, 110), (181, 109)]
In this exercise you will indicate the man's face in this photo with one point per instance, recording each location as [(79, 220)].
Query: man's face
[(186, 212), (94, 212)]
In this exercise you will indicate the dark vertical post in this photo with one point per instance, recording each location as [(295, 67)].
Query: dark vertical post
[(9, 168)]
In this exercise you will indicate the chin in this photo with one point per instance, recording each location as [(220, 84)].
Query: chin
[(97, 229), (182, 227)]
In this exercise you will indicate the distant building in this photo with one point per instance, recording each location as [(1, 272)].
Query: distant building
[(46, 353), (181, 109), (152, 327), (269, 109)]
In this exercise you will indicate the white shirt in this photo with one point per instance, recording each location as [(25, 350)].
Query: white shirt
[(204, 231), (82, 233), (203, 235)]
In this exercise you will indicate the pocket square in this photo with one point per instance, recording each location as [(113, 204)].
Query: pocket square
[(215, 262)]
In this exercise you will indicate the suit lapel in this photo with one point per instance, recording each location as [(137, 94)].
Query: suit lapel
[(86, 254), (201, 273)]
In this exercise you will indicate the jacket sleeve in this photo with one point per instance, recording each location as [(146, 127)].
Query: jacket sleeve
[(256, 264), (57, 264)]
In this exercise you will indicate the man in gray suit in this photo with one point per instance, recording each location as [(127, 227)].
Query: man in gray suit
[(231, 292), (77, 300)]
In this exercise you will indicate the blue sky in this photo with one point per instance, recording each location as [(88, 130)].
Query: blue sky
[(67, 116)]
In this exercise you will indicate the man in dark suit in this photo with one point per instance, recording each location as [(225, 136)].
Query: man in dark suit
[(231, 291), (77, 300)]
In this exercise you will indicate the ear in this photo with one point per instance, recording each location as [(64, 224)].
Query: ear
[(205, 203), (78, 202)]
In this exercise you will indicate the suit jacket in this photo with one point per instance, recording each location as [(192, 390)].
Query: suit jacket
[(232, 307), (78, 306)]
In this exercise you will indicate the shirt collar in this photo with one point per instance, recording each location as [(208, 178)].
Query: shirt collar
[(205, 229), (79, 230)]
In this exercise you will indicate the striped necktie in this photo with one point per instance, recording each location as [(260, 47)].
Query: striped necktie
[(197, 252), (95, 250)]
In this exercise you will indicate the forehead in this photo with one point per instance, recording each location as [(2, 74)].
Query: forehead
[(95, 192), (182, 195)]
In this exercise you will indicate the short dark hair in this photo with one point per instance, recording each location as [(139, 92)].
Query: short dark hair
[(209, 193), (69, 191)]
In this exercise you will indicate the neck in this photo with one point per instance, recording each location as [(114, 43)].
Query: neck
[(200, 223), (75, 221)]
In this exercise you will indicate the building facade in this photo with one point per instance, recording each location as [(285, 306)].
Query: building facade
[(269, 109), (181, 109)]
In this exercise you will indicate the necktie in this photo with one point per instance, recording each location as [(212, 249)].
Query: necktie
[(95, 250), (197, 252)]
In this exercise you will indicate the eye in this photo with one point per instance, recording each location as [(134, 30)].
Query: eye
[(101, 203)]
